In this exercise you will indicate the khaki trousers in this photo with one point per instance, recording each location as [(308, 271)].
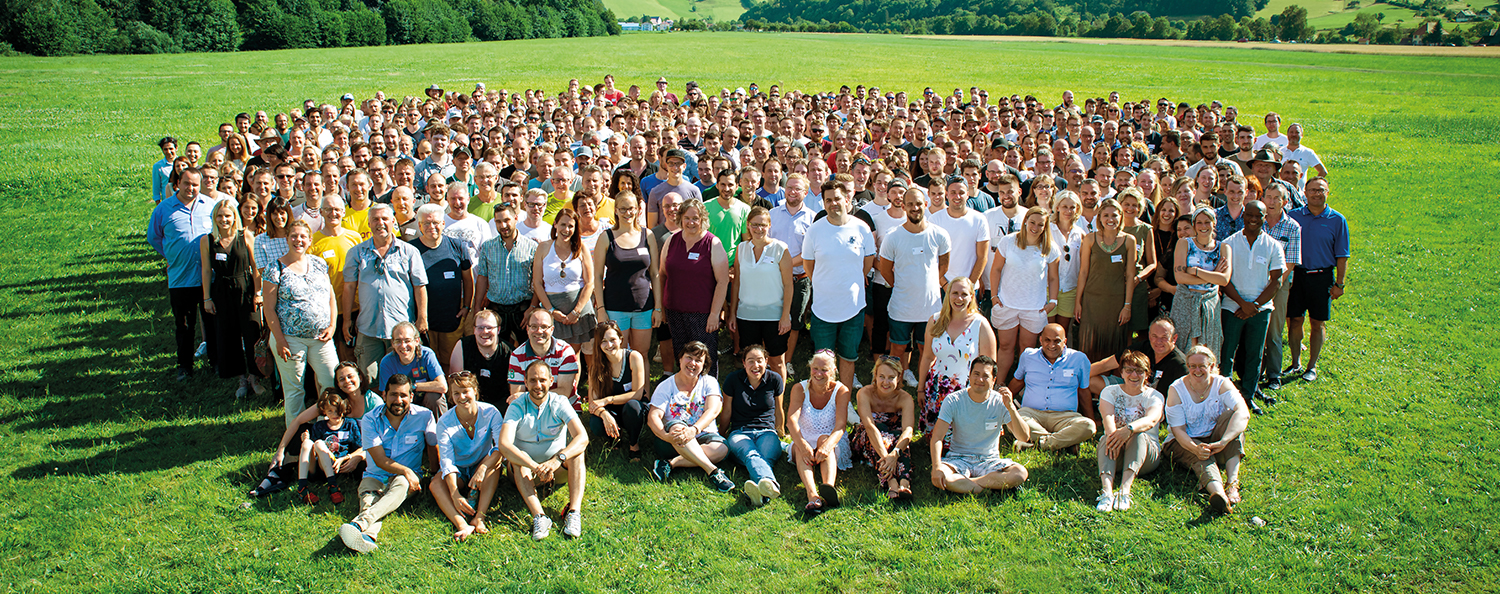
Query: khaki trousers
[(1055, 430)]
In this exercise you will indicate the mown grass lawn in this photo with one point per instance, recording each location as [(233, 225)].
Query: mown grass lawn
[(1378, 478)]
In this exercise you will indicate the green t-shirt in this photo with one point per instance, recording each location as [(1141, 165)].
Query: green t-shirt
[(728, 224)]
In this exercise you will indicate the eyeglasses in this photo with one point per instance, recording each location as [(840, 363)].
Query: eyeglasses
[(459, 374)]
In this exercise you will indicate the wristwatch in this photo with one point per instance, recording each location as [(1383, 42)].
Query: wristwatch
[(1339, 285), (562, 457)]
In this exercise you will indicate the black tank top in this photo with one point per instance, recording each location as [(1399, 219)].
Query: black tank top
[(627, 281), (494, 388)]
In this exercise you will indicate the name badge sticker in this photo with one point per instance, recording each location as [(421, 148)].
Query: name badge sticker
[(1117, 259), (411, 439), (693, 256), (916, 251), (486, 373), (328, 254), (991, 426), (1260, 259), (448, 274), (222, 257), (1067, 373)]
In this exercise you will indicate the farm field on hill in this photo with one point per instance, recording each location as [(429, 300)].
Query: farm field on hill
[(1377, 478)]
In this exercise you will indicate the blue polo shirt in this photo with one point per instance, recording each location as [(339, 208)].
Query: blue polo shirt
[(174, 230), (1325, 237), (1052, 386), (424, 367), (402, 444)]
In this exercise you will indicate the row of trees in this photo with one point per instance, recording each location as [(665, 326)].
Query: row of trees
[(984, 15), (60, 27)]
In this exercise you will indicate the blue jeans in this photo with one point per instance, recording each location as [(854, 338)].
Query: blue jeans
[(757, 449)]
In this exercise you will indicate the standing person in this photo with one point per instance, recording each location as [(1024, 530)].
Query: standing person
[(485, 356), (1055, 400), (761, 310), (818, 410), (161, 172), (1068, 234), (174, 231), (1025, 277), (535, 439), (789, 223), (467, 444), (972, 420), (1253, 283), (1131, 415), (694, 282), (684, 416), (617, 388), (271, 244), (532, 225), (1132, 206), (887, 419), (1280, 225), (229, 275), (1208, 418), (1104, 305), (332, 244), (1202, 265), (391, 284), (1306, 158), (625, 275), (674, 162), (914, 259), (838, 252), (1320, 278), (450, 280), (396, 437), (297, 291), (968, 231), (1164, 239), (754, 412), (502, 275), (727, 214), (956, 336), (671, 204)]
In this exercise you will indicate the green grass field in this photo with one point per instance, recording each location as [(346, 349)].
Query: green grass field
[(718, 10), (1378, 478)]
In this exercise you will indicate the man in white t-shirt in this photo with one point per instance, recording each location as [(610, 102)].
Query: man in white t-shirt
[(1002, 220), (967, 230), (459, 223), (1302, 155), (913, 261), (1273, 133), (838, 252), (532, 225)]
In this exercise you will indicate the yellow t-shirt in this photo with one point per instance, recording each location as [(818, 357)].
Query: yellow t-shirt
[(331, 248), (357, 221)]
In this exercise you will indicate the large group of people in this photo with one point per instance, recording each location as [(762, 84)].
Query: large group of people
[(477, 284)]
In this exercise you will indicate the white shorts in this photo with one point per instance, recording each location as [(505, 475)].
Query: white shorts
[(976, 466), (1005, 318)]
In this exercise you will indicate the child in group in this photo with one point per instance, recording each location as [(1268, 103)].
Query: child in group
[(334, 441)]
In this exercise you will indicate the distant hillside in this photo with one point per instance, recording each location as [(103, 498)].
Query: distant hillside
[(717, 10), (874, 15)]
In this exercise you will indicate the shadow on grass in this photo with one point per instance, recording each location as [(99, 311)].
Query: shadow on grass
[(149, 450), (113, 336)]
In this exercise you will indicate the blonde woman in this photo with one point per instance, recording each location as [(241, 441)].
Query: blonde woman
[(230, 296), (1067, 235), (957, 334), (1106, 282), (626, 283), (818, 411), (1208, 418), (1025, 274)]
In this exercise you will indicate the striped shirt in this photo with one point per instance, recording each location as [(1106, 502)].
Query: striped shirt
[(560, 358), (1289, 233)]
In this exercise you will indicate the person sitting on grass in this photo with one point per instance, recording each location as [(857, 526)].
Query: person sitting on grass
[(333, 441), (355, 386), (397, 437), (817, 414), (1054, 384), (1131, 415), (684, 416), (753, 408), (973, 419), (1208, 419), (887, 414), (535, 439), (467, 456)]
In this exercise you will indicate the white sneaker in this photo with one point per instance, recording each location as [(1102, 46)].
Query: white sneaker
[(541, 527), (753, 495), (1106, 502), (202, 350), (857, 383), (572, 524), (1122, 501), (356, 539), (769, 489), (911, 379)]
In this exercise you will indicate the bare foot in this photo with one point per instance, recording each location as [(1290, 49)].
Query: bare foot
[(478, 525), (1232, 491), (463, 533)]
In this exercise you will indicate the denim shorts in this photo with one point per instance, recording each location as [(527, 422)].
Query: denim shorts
[(843, 337), (631, 320), (903, 333)]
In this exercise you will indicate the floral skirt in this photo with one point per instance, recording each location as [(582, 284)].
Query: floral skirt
[(889, 425), (937, 388)]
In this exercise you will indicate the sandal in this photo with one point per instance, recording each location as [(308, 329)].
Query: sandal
[(813, 508), (1232, 491), (904, 494)]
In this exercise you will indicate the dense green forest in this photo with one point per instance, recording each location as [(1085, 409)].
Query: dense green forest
[(991, 17), (59, 27)]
